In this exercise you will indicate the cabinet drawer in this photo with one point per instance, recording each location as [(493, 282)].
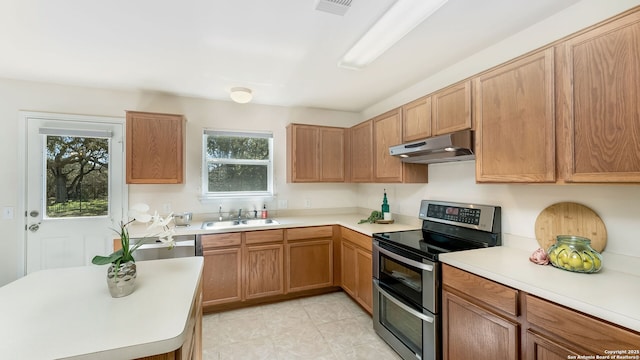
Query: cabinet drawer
[(213, 241), (357, 238), (493, 294), (590, 333), (315, 232), (264, 236)]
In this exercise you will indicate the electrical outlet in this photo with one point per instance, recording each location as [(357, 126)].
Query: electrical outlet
[(7, 213), (307, 203), (283, 204), (166, 207)]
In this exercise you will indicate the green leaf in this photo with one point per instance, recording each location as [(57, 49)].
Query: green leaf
[(104, 260)]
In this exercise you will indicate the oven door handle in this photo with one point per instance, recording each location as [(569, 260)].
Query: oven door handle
[(403, 259), (402, 305)]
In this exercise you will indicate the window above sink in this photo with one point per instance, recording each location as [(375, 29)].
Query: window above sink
[(237, 164)]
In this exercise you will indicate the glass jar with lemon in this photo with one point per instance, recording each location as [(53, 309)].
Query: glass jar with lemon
[(574, 253)]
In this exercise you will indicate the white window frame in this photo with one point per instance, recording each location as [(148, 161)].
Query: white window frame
[(212, 195)]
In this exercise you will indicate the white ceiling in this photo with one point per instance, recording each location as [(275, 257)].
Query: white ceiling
[(284, 50)]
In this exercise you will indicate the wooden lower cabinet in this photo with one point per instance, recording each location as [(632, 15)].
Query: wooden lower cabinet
[(222, 274), (542, 348), (570, 329), (482, 319), (309, 253), (263, 260), (467, 328), (479, 318), (263, 268), (356, 266)]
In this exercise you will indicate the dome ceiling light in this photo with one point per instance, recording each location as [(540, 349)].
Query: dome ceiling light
[(241, 95)]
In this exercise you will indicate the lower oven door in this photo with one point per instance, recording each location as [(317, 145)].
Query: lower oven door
[(411, 332)]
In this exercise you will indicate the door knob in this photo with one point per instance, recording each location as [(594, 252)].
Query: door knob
[(34, 227), (34, 213)]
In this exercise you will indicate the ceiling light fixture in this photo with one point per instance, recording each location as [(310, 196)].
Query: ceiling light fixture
[(241, 95), (397, 22)]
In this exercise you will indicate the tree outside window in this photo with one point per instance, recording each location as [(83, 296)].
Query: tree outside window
[(77, 176), (237, 164)]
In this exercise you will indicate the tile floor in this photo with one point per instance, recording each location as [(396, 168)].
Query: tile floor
[(325, 327)]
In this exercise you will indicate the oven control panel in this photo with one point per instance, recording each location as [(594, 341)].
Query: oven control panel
[(474, 216), (454, 213)]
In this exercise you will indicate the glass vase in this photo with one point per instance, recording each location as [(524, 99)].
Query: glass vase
[(574, 253), (121, 280)]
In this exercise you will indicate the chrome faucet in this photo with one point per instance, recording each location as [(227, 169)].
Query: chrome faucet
[(220, 213), (240, 214)]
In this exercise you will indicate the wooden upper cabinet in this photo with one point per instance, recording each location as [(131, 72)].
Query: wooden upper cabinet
[(315, 153), (416, 119), (451, 109), (599, 103), (361, 152), (332, 154), (515, 122), (387, 131), (155, 148)]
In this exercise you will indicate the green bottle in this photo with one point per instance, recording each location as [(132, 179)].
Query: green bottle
[(385, 204)]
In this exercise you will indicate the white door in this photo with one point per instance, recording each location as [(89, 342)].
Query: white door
[(75, 190)]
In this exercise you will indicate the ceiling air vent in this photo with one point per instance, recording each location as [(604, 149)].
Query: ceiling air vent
[(337, 7)]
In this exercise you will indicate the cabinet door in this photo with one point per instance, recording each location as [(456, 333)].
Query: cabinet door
[(579, 330), (515, 125), (542, 348), (452, 109), (387, 131), (310, 264), (361, 164), (364, 279), (348, 265), (303, 142), (470, 332), (154, 148), (599, 103), (263, 270), (332, 143), (222, 276), (416, 119)]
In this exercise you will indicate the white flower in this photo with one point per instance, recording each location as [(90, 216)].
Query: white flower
[(139, 213)]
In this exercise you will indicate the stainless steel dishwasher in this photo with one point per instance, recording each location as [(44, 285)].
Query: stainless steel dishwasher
[(185, 246)]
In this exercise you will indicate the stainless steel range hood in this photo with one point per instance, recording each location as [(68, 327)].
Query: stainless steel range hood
[(456, 146)]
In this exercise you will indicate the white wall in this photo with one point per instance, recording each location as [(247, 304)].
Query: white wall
[(617, 205), (22, 95)]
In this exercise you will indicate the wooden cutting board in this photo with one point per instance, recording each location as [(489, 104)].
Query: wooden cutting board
[(568, 218)]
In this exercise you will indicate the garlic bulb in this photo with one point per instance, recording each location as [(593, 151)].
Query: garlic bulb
[(539, 257)]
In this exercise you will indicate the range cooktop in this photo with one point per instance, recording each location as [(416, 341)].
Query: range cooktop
[(447, 227)]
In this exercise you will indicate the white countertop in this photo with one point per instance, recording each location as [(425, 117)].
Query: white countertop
[(347, 220), (68, 313), (609, 294)]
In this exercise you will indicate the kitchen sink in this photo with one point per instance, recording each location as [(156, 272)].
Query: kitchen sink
[(209, 225)]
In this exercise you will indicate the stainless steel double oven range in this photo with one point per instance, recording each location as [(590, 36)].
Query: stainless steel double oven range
[(406, 272)]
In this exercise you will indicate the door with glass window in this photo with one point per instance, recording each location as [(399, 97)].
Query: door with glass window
[(75, 190)]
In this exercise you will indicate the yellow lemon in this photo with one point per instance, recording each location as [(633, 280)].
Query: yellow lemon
[(575, 261)]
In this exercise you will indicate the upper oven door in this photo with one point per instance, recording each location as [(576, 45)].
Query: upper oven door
[(407, 275)]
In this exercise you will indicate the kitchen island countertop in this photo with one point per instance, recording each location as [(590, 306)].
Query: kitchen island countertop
[(610, 294), (69, 313)]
